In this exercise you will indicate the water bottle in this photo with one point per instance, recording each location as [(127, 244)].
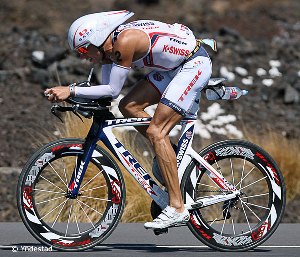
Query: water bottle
[(225, 93)]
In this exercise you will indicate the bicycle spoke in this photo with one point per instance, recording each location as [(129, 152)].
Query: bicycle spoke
[(50, 200), (246, 216), (227, 210), (91, 207), (232, 175), (213, 221), (65, 173), (245, 176), (58, 214), (254, 182), (259, 206), (70, 211), (207, 185), (251, 210), (92, 179), (233, 229), (52, 183), (86, 214), (53, 209), (91, 189), (77, 223), (243, 170), (48, 191), (251, 196), (57, 174), (95, 198), (219, 168)]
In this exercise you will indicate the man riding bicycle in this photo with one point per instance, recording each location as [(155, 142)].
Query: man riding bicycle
[(179, 69)]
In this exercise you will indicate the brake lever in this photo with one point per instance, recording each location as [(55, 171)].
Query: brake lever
[(55, 113), (74, 111)]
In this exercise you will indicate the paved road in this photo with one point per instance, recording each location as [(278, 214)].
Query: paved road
[(133, 240)]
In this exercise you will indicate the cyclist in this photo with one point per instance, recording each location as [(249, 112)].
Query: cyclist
[(179, 69)]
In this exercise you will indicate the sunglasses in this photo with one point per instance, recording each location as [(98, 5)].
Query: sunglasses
[(83, 49)]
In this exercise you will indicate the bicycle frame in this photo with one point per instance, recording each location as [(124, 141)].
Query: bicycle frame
[(101, 129)]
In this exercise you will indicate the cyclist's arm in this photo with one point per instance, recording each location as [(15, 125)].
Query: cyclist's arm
[(105, 73), (122, 56), (117, 78)]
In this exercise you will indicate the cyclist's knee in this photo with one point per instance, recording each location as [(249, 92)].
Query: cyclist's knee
[(155, 134), (127, 107)]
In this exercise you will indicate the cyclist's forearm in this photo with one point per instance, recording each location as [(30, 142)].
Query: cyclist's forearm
[(105, 72), (117, 78)]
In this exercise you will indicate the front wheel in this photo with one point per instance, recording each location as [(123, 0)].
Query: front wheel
[(56, 219), (249, 219)]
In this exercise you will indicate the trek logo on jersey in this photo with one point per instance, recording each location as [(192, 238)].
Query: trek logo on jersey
[(189, 87), (178, 41), (175, 50)]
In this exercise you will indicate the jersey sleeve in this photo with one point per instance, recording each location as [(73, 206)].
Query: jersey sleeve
[(105, 73), (117, 77)]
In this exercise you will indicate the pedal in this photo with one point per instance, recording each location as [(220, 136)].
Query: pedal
[(158, 232)]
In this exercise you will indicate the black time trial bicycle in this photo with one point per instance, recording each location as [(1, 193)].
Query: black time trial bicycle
[(71, 192)]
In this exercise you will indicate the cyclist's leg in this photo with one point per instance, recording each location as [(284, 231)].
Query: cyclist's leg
[(180, 99), (144, 93), (164, 119)]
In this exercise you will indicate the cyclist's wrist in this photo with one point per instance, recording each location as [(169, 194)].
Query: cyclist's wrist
[(72, 90)]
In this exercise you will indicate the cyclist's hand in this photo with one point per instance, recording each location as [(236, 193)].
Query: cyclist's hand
[(57, 94)]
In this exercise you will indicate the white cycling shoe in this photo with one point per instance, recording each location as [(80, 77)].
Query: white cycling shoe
[(169, 218)]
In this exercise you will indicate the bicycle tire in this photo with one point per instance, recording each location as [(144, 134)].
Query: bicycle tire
[(58, 221), (239, 224)]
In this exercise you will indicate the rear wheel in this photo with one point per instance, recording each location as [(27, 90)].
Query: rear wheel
[(251, 218), (48, 211)]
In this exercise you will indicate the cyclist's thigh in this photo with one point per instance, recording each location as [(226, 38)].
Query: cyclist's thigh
[(142, 95), (183, 92)]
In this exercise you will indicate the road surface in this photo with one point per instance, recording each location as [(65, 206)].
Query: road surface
[(130, 240)]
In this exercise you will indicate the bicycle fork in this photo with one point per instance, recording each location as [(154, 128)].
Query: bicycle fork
[(83, 161)]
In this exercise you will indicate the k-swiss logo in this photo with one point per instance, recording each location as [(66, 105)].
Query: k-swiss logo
[(175, 50), (181, 151)]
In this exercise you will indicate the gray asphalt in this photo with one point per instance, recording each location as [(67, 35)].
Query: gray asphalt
[(133, 240)]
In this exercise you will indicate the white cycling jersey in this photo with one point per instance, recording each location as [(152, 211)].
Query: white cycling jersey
[(168, 44)]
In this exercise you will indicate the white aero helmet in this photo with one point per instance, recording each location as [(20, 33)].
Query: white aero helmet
[(95, 28)]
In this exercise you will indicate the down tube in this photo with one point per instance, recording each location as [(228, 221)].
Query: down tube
[(132, 165)]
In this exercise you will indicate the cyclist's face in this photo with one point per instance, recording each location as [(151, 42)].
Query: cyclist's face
[(93, 54)]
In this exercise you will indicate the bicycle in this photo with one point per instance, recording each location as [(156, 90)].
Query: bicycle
[(71, 192)]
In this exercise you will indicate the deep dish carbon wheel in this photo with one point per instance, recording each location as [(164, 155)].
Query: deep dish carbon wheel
[(60, 221), (251, 218)]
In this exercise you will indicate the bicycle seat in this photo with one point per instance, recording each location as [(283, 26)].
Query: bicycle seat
[(215, 81)]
